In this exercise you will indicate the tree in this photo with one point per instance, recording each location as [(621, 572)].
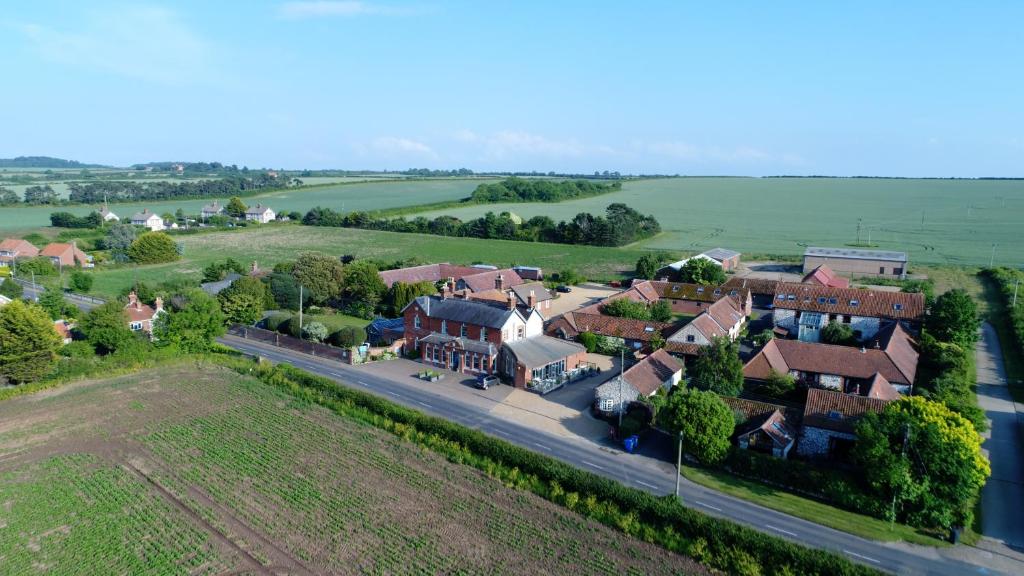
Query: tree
[(235, 207), (719, 368), (28, 343), (118, 239), (954, 318), (400, 294), (348, 336), (648, 265), (699, 270), (315, 331), (705, 421), (52, 300), (194, 326), (11, 289), (285, 289), (8, 197), (216, 271), (320, 275), (838, 333), (106, 327), (626, 308), (570, 277), (937, 481), (778, 385), (661, 311), (81, 281), (153, 248), (245, 300), (38, 266), (361, 282), (589, 341)]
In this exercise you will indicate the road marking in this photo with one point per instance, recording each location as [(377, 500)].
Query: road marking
[(503, 433), (862, 557), (592, 464), (541, 446), (335, 374), (699, 503), (787, 532), (363, 383), (424, 404), (642, 483), (394, 394)]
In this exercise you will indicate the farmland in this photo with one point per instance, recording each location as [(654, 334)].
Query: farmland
[(194, 469), (346, 195), (935, 221)]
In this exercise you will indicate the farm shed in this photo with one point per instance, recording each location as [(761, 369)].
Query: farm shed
[(851, 262)]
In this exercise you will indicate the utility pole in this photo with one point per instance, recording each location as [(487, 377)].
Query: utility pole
[(622, 363), (300, 311), (903, 455), (1016, 285), (858, 230), (992, 259), (922, 220), (679, 462)]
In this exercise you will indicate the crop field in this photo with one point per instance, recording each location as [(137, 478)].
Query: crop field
[(193, 469), (356, 195), (278, 242), (935, 221)]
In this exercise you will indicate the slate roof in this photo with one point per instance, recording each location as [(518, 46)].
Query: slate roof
[(836, 411), (649, 374), (540, 351), (257, 210), (850, 301), (143, 216), (721, 254), (214, 288), (854, 254), (824, 276), (522, 292), (572, 323), (425, 273), (464, 311)]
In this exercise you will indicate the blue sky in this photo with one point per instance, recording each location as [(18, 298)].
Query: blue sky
[(746, 88)]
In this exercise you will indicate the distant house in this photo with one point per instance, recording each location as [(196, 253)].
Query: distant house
[(107, 215), (426, 273), (64, 254), (727, 259), (141, 316), (830, 422), (260, 213), (148, 219), (804, 309), (529, 272), (636, 334), (824, 276), (540, 357), (211, 210), (657, 371), (880, 263), (13, 248), (881, 371), (63, 329), (482, 280), (763, 427), (722, 319)]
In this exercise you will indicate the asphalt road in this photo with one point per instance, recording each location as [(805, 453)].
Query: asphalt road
[(636, 470), (34, 291)]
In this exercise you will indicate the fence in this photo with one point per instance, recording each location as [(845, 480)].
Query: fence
[(39, 288), (291, 343)]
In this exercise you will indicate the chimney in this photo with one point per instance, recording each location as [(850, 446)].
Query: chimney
[(511, 300), (159, 304), (254, 267), (499, 282), (133, 299), (445, 292), (532, 300)]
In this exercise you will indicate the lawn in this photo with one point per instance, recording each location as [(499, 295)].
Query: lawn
[(275, 243), (192, 468), (812, 510), (935, 221)]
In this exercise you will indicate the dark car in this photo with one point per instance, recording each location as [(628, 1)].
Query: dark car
[(485, 382), (563, 289)]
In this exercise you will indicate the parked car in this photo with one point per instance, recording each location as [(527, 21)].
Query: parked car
[(563, 289), (485, 382)]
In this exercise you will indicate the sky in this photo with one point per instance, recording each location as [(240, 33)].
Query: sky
[(700, 88)]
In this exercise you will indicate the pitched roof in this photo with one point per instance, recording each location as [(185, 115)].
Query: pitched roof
[(851, 301), (880, 388), (540, 351), (721, 254), (522, 292), (144, 215), (755, 285), (485, 280), (648, 375), (137, 311), (684, 348), (853, 254), (900, 348), (860, 363), (67, 253), (824, 276), (752, 409), (258, 209), (215, 207), (63, 328), (837, 411), (19, 247), (464, 311), (725, 312), (575, 322), (215, 287), (104, 211), (425, 273)]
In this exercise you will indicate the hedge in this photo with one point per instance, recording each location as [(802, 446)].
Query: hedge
[(1006, 278), (661, 520)]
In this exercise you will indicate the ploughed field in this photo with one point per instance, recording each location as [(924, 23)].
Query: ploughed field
[(935, 221), (194, 469)]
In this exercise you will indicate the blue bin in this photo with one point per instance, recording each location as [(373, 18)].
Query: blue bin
[(631, 443)]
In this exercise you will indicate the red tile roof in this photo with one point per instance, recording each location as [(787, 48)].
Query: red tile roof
[(654, 370), (824, 276), (837, 411), (425, 273), (572, 323), (68, 254), (755, 285), (19, 247), (485, 280), (880, 388), (850, 301)]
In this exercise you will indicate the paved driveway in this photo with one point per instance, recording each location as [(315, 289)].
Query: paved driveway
[(1002, 499), (580, 296)]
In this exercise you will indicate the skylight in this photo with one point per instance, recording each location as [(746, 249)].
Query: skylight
[(897, 306), (854, 303)]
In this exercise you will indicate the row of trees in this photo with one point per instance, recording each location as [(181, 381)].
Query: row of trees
[(619, 226), (124, 191), (534, 190), (660, 311)]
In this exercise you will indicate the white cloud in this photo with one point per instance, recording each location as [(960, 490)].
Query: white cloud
[(326, 8), (149, 43), (394, 145)]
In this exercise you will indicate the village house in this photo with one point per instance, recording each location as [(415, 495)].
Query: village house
[(722, 319), (830, 422), (13, 248), (763, 427), (260, 213), (656, 371), (635, 334), (385, 331), (64, 254), (63, 329), (541, 359), (824, 276), (685, 299), (426, 273), (804, 309), (211, 210), (107, 215), (484, 280), (530, 296), (141, 316), (148, 219), (882, 370), (728, 259), (529, 272), (852, 262), (762, 291)]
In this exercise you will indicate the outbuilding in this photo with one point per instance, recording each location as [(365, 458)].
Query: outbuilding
[(853, 262)]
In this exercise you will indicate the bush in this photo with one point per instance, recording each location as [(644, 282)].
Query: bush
[(78, 349), (589, 341), (274, 321), (348, 336), (11, 289), (315, 331), (153, 248), (40, 266), (81, 281)]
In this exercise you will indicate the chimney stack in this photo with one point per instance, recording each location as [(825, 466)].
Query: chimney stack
[(499, 282), (133, 299), (254, 268), (159, 304), (511, 300), (445, 292), (532, 300)]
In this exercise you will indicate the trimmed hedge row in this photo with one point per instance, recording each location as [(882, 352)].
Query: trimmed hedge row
[(720, 543), (1006, 278)]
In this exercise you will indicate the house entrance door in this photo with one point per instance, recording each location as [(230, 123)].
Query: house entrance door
[(455, 361)]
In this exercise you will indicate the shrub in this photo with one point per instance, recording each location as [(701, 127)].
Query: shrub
[(153, 248), (11, 289), (78, 349), (348, 336), (589, 341), (315, 331), (81, 281)]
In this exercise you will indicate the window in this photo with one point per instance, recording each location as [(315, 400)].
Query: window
[(648, 328), (897, 307), (897, 271), (675, 288), (821, 299), (834, 415), (790, 297), (854, 303), (690, 338), (833, 301), (416, 321), (607, 404), (881, 269), (780, 297), (483, 334), (700, 289), (476, 362), (463, 331), (520, 332), (444, 326), (718, 291), (135, 325)]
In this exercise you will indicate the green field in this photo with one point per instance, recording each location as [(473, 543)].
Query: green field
[(193, 469), (342, 196), (278, 242), (962, 218)]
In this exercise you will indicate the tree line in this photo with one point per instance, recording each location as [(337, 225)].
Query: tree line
[(620, 225), (534, 190)]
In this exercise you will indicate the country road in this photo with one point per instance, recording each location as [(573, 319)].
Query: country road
[(645, 473)]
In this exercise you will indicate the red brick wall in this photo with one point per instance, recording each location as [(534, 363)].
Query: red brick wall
[(430, 325)]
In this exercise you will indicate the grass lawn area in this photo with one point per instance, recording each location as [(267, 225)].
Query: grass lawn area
[(271, 244), (812, 510), (335, 322)]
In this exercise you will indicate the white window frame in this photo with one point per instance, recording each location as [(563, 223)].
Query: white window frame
[(135, 326)]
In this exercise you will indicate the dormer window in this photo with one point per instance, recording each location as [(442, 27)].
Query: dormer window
[(416, 321), (675, 288), (718, 291), (834, 415), (444, 326), (700, 289), (463, 331), (833, 301), (483, 334), (648, 329), (780, 297), (854, 303), (791, 297)]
